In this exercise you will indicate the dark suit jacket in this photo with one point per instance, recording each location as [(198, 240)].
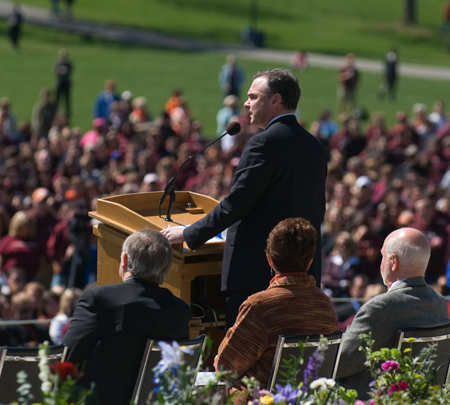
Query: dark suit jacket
[(281, 174), (410, 303), (110, 327), (22, 335)]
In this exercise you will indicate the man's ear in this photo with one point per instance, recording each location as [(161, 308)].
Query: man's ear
[(394, 262), (124, 261), (276, 100)]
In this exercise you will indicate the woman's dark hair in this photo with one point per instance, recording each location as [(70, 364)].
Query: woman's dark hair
[(291, 245)]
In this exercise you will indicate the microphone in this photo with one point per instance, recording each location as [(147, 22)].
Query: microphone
[(233, 128)]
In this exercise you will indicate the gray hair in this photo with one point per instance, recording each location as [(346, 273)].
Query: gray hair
[(149, 255), (413, 253)]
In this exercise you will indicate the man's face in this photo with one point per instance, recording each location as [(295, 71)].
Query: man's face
[(23, 311), (424, 210), (358, 288), (259, 104), (385, 269)]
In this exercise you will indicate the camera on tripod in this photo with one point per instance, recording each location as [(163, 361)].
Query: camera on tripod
[(79, 228), (79, 232)]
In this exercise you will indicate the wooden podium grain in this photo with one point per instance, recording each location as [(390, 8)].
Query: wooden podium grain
[(124, 214)]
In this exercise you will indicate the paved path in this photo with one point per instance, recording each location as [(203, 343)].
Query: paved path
[(41, 17)]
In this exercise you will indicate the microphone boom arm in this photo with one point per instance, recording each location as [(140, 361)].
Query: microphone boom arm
[(169, 190)]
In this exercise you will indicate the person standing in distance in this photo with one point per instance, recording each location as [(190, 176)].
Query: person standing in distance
[(281, 174), (63, 72)]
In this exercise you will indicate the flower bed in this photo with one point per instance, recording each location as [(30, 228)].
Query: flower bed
[(398, 378)]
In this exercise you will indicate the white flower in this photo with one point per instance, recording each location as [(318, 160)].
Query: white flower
[(317, 383), (44, 375), (323, 384), (46, 387), (171, 355)]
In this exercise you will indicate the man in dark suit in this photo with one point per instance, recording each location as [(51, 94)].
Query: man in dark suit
[(281, 174), (409, 302), (112, 323)]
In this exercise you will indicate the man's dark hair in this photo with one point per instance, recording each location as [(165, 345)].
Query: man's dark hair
[(284, 83), (363, 277), (291, 245)]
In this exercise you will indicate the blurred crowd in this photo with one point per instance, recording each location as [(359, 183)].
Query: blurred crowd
[(380, 178)]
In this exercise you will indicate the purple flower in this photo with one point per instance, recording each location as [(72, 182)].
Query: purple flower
[(359, 402), (311, 372), (286, 394), (390, 365)]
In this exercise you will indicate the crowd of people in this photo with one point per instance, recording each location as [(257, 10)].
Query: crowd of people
[(379, 179)]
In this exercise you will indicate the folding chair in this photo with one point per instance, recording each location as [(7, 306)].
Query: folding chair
[(152, 354), (15, 359), (423, 337), (288, 346)]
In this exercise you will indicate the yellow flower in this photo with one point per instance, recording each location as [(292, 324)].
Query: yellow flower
[(266, 400), (407, 350), (411, 339)]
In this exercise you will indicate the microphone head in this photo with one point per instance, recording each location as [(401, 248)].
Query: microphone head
[(233, 128)]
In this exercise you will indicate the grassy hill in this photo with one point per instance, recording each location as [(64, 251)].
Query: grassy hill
[(367, 28), (155, 73)]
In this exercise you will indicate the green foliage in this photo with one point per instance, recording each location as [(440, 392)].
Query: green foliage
[(401, 379), (154, 74), (290, 368), (368, 28)]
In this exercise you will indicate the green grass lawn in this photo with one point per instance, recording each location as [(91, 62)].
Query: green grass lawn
[(367, 28), (155, 73)]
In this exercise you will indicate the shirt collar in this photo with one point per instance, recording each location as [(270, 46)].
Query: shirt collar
[(279, 116), (396, 282), (281, 275), (295, 278)]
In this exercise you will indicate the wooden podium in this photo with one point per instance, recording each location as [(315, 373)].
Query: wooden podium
[(124, 214)]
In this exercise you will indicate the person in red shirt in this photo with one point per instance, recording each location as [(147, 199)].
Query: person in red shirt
[(20, 248)]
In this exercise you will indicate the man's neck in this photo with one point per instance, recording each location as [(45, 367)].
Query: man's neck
[(126, 276)]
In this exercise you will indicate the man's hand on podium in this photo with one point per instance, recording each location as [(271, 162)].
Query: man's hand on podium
[(174, 234)]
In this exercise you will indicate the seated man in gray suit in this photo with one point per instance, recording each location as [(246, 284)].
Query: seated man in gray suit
[(409, 302), (112, 323)]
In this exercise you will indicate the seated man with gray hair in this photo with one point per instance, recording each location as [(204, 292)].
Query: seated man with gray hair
[(112, 323), (409, 302)]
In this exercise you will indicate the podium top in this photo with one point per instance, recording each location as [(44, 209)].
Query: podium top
[(129, 213)]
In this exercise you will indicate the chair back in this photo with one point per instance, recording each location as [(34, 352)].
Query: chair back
[(152, 355), (288, 347), (423, 337), (16, 359)]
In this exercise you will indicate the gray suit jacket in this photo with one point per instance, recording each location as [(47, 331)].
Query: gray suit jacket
[(410, 303)]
